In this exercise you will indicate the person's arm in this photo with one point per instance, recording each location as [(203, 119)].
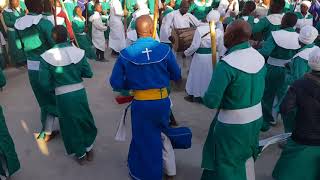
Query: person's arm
[(194, 45), (118, 76), (260, 26), (46, 29), (221, 78), (268, 47), (173, 67), (289, 102), (97, 23), (86, 71), (45, 76), (7, 20), (2, 79), (193, 20)]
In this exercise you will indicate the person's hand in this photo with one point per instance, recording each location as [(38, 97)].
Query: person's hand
[(125, 13), (27, 11)]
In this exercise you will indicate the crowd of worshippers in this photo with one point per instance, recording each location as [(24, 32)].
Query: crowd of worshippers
[(268, 64)]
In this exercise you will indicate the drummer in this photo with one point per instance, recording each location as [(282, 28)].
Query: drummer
[(182, 19), (201, 65)]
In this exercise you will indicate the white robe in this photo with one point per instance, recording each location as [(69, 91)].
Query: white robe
[(200, 73), (223, 6), (304, 22), (117, 40), (98, 28), (165, 30)]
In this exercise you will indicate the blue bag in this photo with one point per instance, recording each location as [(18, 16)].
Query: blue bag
[(180, 137)]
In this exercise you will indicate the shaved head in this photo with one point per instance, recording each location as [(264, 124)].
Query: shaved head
[(237, 32), (144, 26)]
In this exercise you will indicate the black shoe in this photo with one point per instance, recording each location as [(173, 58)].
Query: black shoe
[(198, 100), (189, 98)]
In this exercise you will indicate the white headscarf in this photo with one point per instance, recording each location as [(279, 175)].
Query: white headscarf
[(307, 3), (308, 34), (314, 60), (213, 15)]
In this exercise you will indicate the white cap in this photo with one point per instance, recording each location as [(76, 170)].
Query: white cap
[(213, 15), (307, 3), (314, 60), (308, 34)]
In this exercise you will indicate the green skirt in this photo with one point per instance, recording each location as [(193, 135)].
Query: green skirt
[(45, 98), (7, 149), (85, 44), (77, 125), (227, 148), (298, 162), (15, 50)]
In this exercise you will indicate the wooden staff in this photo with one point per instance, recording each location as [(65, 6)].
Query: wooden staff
[(64, 9), (155, 18), (55, 13), (125, 18), (213, 43)]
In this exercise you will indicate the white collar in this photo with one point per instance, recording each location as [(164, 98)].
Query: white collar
[(27, 21), (206, 4), (286, 39), (63, 56), (247, 60), (304, 54), (79, 19), (275, 19)]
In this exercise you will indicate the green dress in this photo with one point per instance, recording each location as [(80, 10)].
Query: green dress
[(275, 80), (7, 149), (70, 5), (37, 39), (10, 16), (250, 19), (229, 145), (267, 24), (83, 39), (200, 10), (178, 4), (77, 125)]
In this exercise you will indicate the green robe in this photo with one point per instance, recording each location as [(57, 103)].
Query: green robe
[(250, 19), (76, 121), (275, 79), (298, 162), (265, 27), (200, 10), (288, 7), (37, 39), (151, 6), (83, 39), (70, 5), (228, 146), (7, 149), (15, 50)]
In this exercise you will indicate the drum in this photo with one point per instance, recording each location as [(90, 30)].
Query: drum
[(182, 38)]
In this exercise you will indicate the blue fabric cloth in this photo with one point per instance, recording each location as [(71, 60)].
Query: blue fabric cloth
[(136, 69), (315, 11), (82, 5)]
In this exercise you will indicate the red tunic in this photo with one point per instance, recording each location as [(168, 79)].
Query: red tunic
[(63, 15)]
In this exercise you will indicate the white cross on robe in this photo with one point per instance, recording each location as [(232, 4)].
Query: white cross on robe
[(147, 51)]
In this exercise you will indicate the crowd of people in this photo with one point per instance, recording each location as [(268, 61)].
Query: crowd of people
[(267, 68)]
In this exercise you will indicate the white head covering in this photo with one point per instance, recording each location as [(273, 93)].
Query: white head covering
[(314, 60), (307, 3), (213, 15), (308, 34)]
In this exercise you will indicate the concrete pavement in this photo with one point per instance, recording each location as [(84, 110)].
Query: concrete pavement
[(52, 163)]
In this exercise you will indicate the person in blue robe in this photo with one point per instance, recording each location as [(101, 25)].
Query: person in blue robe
[(146, 67)]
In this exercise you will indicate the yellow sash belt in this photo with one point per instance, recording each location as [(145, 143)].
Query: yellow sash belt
[(150, 94)]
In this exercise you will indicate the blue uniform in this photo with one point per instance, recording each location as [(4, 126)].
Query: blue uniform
[(146, 64)]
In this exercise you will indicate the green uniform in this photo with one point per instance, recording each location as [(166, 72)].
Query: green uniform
[(215, 4), (78, 25), (298, 162), (200, 10), (90, 8), (236, 90), (297, 68), (250, 19), (279, 48), (267, 24), (70, 5), (65, 74), (304, 20), (288, 7), (37, 39), (151, 6), (178, 4), (10, 16), (7, 149)]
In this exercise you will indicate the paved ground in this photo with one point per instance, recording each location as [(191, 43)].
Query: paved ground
[(51, 162)]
